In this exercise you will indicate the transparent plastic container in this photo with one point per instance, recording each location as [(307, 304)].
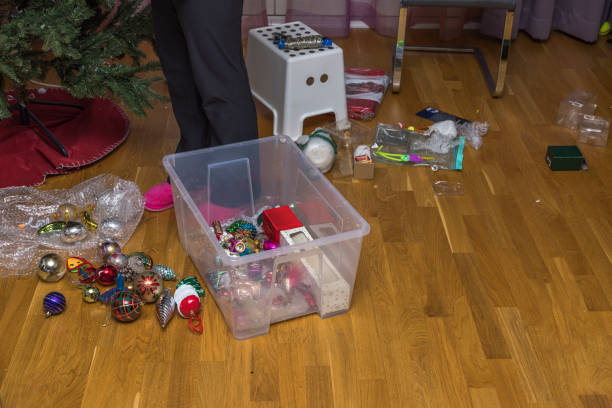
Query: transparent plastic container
[(572, 108), (593, 130), (257, 290), (347, 140)]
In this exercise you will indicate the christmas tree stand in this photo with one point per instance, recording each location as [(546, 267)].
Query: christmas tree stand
[(27, 114)]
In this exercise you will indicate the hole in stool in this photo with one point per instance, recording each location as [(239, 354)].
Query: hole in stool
[(321, 49), (307, 32), (260, 31), (286, 51), (292, 55), (298, 34), (302, 53), (296, 24), (312, 51), (309, 81), (324, 78), (268, 29)]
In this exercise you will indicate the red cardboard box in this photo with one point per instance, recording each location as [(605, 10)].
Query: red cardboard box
[(279, 219)]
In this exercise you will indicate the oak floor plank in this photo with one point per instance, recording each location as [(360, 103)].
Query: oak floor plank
[(501, 297)]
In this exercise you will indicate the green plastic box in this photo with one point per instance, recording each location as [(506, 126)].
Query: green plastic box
[(565, 158)]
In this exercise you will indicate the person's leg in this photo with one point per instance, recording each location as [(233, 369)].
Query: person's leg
[(171, 48), (212, 31), (186, 101)]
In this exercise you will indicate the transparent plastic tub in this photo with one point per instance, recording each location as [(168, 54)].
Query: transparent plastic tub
[(257, 290)]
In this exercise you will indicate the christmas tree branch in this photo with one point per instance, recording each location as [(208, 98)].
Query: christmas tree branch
[(4, 112), (93, 45)]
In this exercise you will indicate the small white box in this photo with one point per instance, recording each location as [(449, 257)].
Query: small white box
[(294, 236), (333, 292)]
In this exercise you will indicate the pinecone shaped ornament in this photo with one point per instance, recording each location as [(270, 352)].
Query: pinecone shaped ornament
[(133, 269), (165, 307)]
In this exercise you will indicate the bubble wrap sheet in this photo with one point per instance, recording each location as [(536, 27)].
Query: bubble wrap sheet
[(20, 248)]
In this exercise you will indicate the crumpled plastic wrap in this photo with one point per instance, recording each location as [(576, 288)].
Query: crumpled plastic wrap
[(473, 132), (442, 137), (23, 210)]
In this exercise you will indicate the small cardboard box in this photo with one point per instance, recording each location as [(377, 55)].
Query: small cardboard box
[(565, 158), (363, 170)]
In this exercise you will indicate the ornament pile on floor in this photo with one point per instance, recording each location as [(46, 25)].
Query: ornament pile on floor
[(138, 282), (67, 222)]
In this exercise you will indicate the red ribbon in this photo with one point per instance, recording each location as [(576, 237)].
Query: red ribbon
[(197, 326)]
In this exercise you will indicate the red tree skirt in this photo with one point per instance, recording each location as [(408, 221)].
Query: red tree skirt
[(27, 154)]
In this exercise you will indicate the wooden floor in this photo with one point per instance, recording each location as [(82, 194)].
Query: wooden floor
[(499, 298)]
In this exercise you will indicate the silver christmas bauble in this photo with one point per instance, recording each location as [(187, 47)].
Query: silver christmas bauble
[(118, 260), (51, 268), (73, 232), (107, 248), (110, 227)]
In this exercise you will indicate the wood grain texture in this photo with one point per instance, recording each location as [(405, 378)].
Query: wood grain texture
[(498, 298)]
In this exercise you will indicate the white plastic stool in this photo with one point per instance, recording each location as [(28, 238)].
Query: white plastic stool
[(295, 85)]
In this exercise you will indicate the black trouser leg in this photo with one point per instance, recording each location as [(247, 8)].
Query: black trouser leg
[(213, 36), (174, 56), (200, 48)]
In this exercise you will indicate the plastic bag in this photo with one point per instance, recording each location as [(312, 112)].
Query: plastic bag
[(365, 89), (23, 210), (572, 108), (395, 145), (473, 132)]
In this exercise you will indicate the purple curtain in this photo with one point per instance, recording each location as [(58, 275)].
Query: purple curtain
[(332, 17), (253, 15), (579, 18)]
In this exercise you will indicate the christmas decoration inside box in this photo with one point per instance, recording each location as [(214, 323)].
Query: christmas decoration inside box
[(312, 270)]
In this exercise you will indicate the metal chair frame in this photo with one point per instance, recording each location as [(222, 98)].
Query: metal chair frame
[(496, 87)]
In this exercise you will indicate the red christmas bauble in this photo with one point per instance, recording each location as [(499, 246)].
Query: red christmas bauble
[(106, 275), (190, 306), (126, 306), (87, 273)]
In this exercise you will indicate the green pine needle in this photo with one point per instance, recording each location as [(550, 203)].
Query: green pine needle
[(66, 36)]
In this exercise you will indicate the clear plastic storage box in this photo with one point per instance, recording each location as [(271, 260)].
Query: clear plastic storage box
[(315, 274)]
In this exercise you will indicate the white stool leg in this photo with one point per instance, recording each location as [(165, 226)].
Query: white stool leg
[(342, 120), (290, 125)]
